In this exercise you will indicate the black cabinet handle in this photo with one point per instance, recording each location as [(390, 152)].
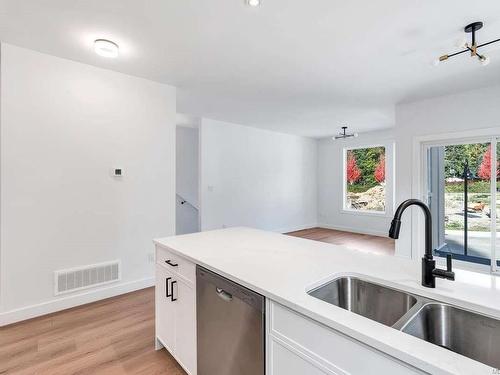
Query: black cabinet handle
[(166, 281), (172, 295), (169, 262)]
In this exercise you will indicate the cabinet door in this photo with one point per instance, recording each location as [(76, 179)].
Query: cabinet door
[(328, 349), (286, 362), (165, 309), (185, 344)]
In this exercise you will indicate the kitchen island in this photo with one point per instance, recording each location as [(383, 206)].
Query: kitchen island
[(305, 334)]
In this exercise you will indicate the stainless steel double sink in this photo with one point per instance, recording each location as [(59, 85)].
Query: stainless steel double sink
[(465, 332)]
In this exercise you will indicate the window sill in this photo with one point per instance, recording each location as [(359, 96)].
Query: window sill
[(365, 213), (466, 266)]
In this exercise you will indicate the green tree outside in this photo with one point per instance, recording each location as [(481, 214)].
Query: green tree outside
[(367, 160)]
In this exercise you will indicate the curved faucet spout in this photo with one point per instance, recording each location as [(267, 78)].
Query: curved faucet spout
[(429, 270), (396, 223)]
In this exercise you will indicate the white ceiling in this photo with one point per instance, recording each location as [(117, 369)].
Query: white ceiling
[(303, 67)]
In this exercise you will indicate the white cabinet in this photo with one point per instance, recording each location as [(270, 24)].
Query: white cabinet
[(286, 361), (165, 309), (298, 345), (176, 307), (186, 326)]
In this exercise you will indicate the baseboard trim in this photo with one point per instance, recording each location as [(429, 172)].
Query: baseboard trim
[(296, 228), (354, 230), (44, 308)]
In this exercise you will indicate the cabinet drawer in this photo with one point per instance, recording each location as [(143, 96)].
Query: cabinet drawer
[(176, 264), (332, 347)]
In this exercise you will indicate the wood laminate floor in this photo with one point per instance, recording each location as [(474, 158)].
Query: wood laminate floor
[(116, 336), (113, 336), (357, 241)]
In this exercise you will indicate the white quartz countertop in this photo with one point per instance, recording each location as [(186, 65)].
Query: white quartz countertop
[(283, 268)]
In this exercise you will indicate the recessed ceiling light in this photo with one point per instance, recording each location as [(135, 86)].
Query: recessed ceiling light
[(106, 48), (253, 3)]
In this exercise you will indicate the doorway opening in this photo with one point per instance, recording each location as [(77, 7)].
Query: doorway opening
[(187, 207)]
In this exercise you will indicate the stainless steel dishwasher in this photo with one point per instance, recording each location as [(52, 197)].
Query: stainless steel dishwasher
[(230, 327)]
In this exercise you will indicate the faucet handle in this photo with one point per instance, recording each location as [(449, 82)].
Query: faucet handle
[(444, 274), (449, 258)]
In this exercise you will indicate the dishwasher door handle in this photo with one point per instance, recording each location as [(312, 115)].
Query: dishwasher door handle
[(225, 296)]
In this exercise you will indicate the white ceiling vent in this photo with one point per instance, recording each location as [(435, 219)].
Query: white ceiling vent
[(71, 280)]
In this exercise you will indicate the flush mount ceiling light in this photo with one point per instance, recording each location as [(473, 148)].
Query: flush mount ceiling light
[(253, 3), (472, 47), (106, 48), (344, 135)]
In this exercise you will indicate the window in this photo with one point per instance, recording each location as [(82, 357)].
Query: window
[(364, 179), (463, 200)]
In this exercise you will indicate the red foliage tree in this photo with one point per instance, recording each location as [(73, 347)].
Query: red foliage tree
[(484, 170), (353, 171), (379, 173)]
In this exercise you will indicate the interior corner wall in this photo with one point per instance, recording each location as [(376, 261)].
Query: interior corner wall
[(64, 126), (467, 111), (257, 178), (330, 185)]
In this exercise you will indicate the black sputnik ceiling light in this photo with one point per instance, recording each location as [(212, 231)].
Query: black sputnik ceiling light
[(471, 47), (343, 134)]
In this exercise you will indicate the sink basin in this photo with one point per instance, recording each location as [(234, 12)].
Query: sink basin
[(373, 301), (472, 335)]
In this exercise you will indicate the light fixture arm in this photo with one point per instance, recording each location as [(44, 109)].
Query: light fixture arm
[(488, 43)]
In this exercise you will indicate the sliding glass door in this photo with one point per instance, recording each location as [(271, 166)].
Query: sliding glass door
[(496, 213), (462, 185)]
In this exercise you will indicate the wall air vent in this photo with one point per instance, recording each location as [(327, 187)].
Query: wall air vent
[(78, 278)]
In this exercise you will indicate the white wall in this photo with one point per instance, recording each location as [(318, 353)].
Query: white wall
[(468, 111), (330, 185), (64, 125), (256, 178), (187, 180)]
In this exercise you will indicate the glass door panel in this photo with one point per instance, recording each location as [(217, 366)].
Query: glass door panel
[(496, 238), (460, 200)]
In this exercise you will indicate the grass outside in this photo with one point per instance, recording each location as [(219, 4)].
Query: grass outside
[(359, 188), (478, 206), (472, 187)]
